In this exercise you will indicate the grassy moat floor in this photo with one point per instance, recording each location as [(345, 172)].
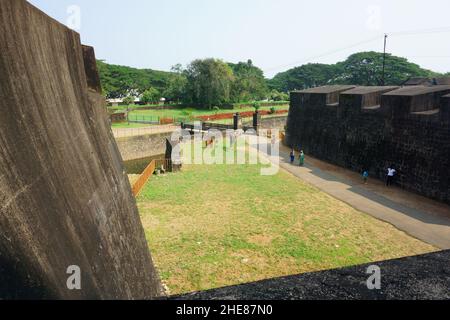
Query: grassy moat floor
[(221, 225)]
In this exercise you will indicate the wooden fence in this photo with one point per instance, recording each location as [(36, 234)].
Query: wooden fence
[(140, 183), (148, 172)]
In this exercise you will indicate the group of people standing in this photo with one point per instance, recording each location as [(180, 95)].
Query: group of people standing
[(301, 157), (390, 176)]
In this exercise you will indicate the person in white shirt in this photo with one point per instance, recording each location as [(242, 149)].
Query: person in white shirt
[(391, 172)]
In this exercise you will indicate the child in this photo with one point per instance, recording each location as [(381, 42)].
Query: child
[(292, 155), (365, 176)]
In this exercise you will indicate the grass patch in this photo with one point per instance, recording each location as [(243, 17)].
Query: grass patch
[(184, 112), (214, 226), (123, 125)]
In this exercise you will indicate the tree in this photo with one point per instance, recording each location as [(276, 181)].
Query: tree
[(304, 77), (176, 89), (150, 95), (249, 83), (119, 81), (209, 83), (128, 100), (364, 69), (278, 96)]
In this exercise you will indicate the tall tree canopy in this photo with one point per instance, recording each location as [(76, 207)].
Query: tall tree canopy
[(303, 77), (364, 68), (209, 83), (249, 83), (176, 88), (120, 81), (151, 95)]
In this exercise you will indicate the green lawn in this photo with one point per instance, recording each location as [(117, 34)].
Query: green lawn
[(214, 226), (123, 125), (185, 112)]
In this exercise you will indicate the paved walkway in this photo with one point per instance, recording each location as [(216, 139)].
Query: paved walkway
[(418, 216)]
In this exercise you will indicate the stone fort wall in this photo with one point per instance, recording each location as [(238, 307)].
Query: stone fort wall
[(64, 197), (373, 128), (143, 146)]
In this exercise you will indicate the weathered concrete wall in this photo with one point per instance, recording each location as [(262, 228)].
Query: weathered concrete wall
[(64, 199), (138, 147), (407, 130), (273, 123)]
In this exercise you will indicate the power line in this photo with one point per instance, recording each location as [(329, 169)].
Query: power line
[(394, 34), (325, 54), (434, 57), (420, 31)]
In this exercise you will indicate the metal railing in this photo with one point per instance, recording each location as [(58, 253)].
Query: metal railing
[(138, 118), (148, 119), (206, 126)]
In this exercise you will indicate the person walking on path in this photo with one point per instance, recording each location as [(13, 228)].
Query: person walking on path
[(302, 158), (292, 155), (365, 176), (391, 172)]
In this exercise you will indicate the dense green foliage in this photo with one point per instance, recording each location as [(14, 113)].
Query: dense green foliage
[(120, 81), (150, 95), (249, 83), (364, 68), (176, 88), (205, 83), (306, 76), (209, 83), (128, 100)]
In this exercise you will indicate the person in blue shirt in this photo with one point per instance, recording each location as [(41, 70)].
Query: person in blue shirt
[(365, 176)]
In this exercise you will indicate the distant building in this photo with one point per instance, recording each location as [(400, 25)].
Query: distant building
[(114, 102)]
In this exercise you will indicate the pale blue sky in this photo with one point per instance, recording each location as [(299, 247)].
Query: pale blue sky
[(275, 34)]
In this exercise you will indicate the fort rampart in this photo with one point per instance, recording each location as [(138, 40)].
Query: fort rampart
[(373, 128), (64, 198)]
